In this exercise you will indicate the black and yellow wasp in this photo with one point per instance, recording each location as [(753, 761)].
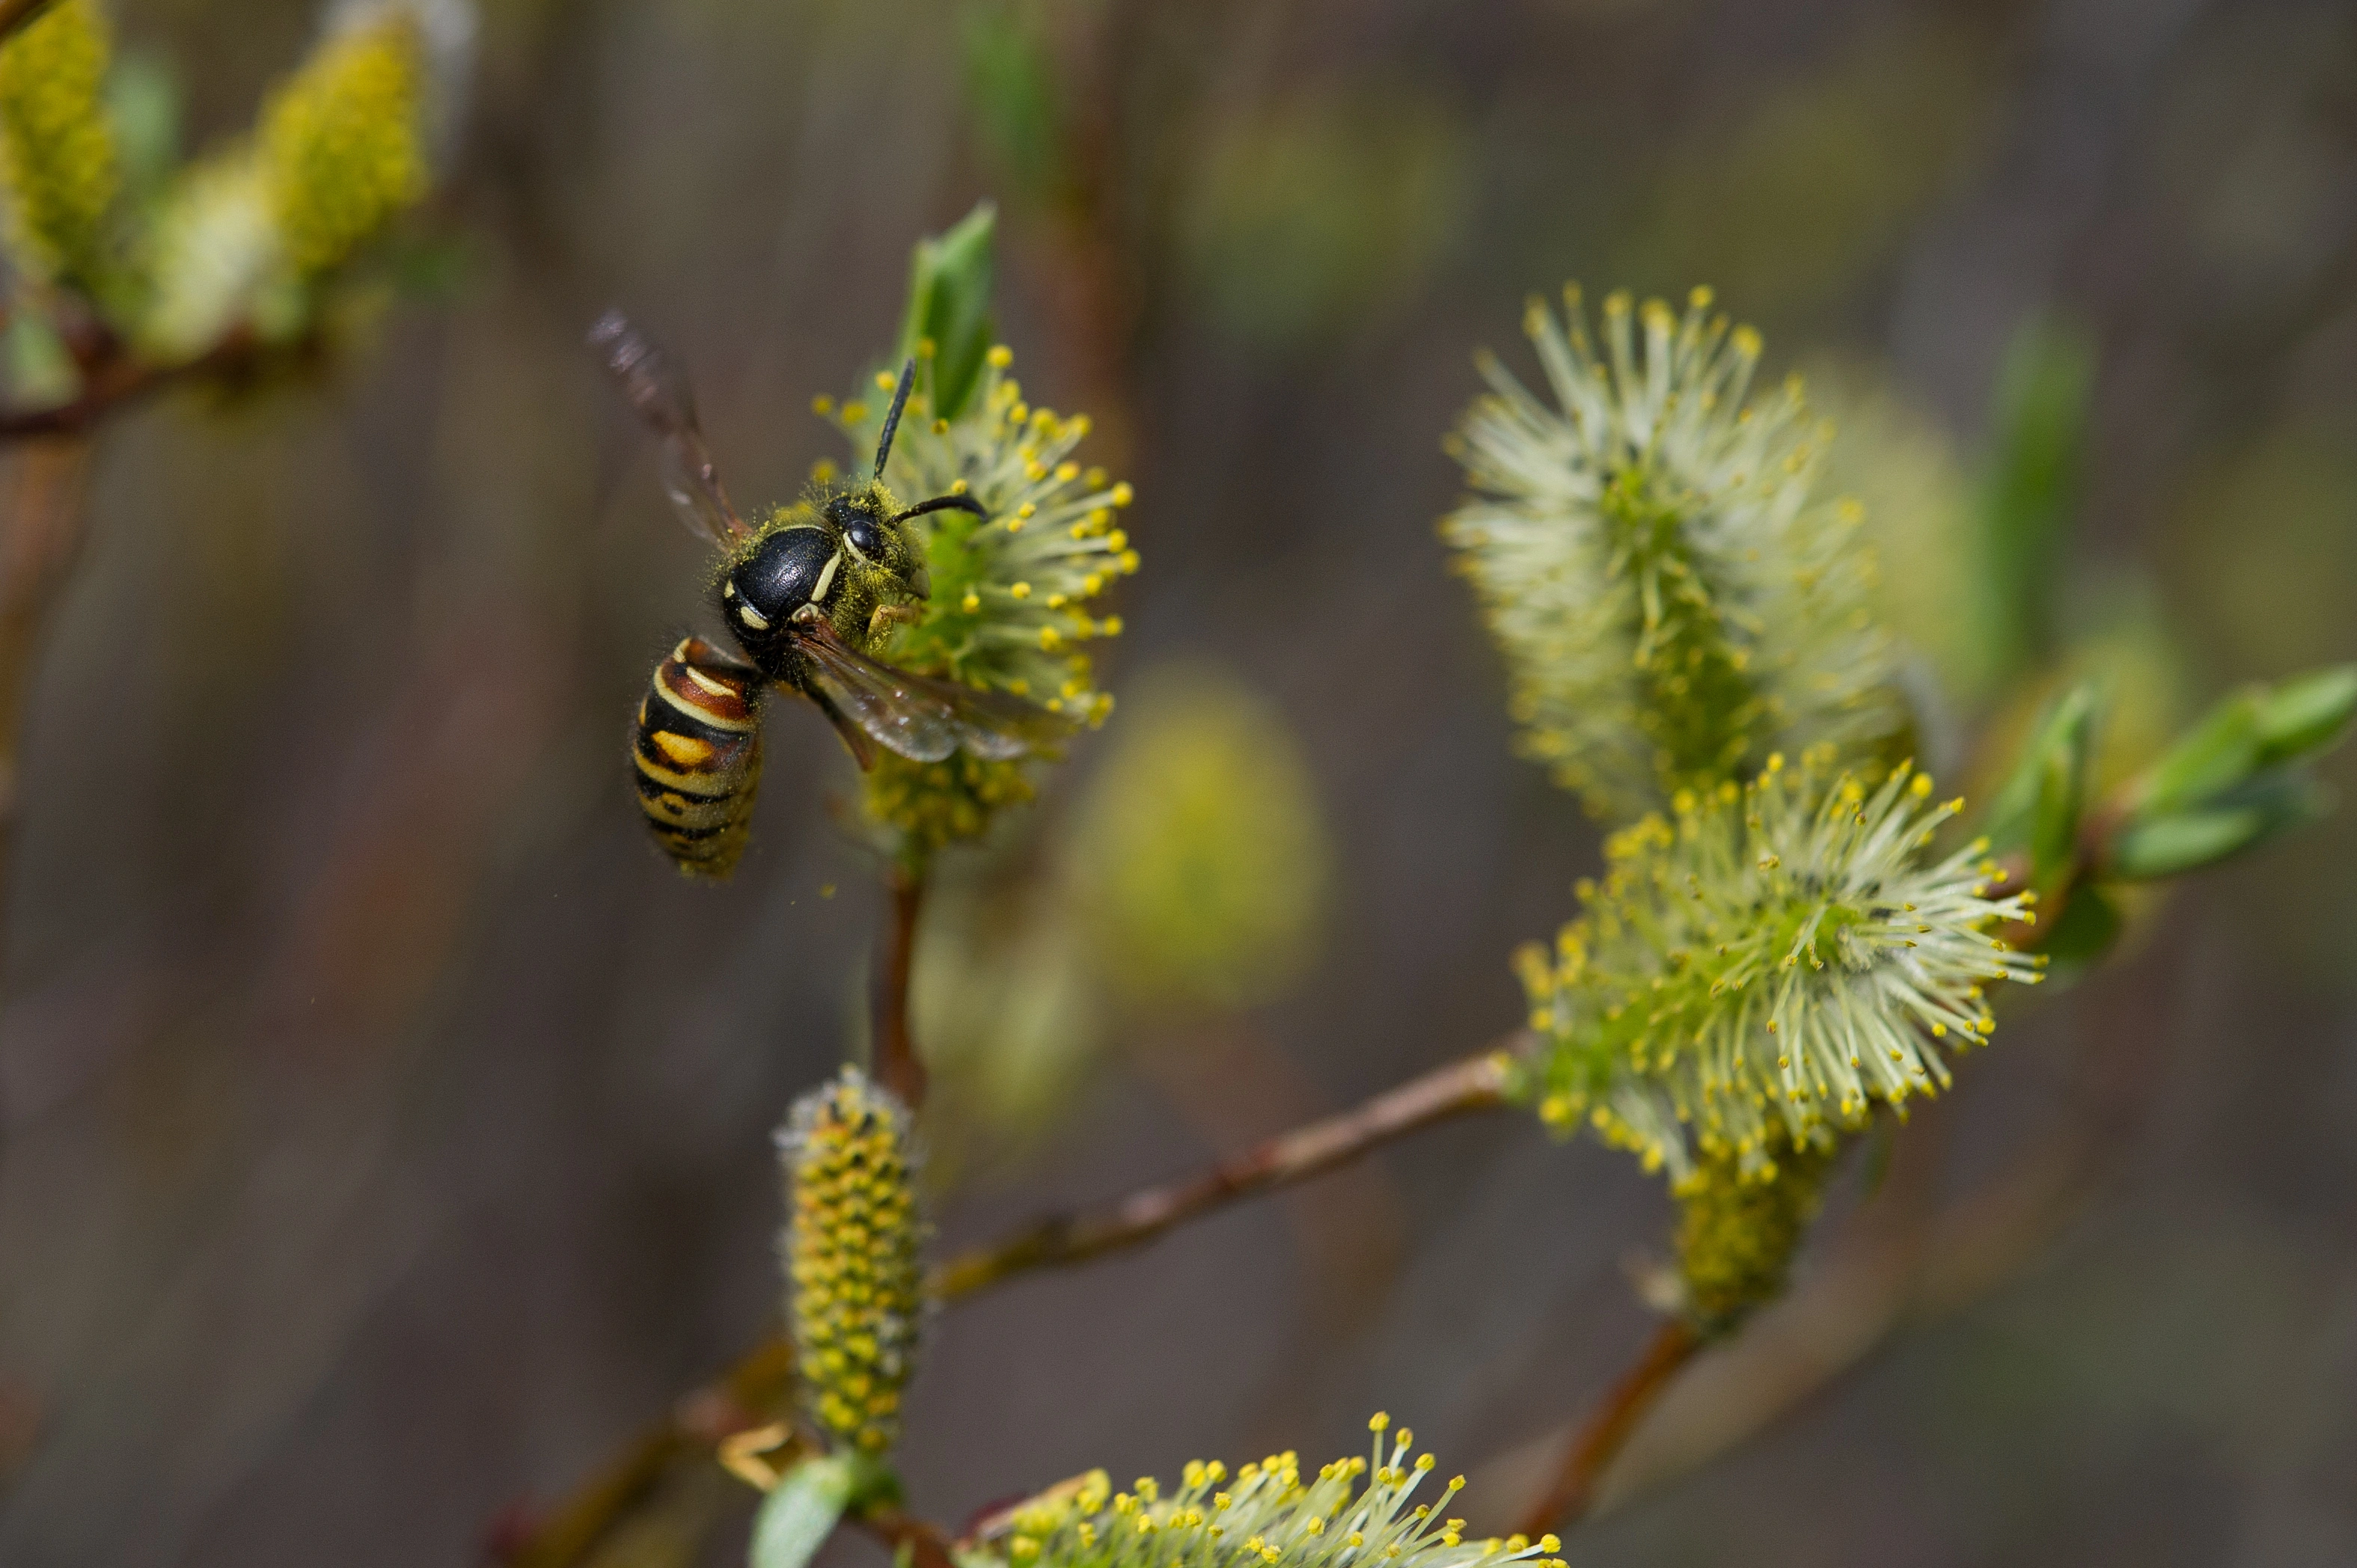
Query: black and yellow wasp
[(807, 593)]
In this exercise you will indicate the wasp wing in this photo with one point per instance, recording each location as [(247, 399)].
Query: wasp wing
[(659, 392), (921, 718)]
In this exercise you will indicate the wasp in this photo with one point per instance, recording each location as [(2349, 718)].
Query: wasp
[(809, 594)]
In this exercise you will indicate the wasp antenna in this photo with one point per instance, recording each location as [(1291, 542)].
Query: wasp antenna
[(945, 503), (892, 420)]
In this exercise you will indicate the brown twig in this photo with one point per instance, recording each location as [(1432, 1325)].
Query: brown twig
[(39, 538), (15, 14), (1593, 1445), (897, 1066), (1895, 1265), (1596, 1440), (928, 1544), (1475, 1083), (756, 1387), (112, 379), (752, 1392)]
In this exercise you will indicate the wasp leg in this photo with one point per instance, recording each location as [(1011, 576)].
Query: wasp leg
[(887, 615)]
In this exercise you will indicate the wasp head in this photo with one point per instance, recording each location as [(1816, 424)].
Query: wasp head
[(878, 546)]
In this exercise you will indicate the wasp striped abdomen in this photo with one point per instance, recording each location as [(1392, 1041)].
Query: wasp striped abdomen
[(696, 751)]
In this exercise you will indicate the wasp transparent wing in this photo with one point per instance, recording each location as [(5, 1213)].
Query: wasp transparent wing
[(920, 718), (660, 394)]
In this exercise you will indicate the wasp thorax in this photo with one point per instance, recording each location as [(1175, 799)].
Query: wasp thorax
[(785, 570)]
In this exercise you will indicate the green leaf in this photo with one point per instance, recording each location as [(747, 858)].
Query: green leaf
[(802, 1509), (950, 280), (2216, 755), (2168, 843), (2040, 807), (2255, 730), (2307, 714), (2031, 485)]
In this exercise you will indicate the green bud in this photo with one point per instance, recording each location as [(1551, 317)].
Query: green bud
[(2215, 754), (2169, 844), (2237, 779), (2306, 714), (2040, 807)]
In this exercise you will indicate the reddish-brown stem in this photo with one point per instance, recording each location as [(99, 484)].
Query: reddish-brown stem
[(1602, 1436), (752, 1392), (1476, 1083), (897, 1062), (112, 378), (1594, 1444), (756, 1387), (928, 1544)]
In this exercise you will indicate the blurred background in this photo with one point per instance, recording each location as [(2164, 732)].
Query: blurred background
[(387, 1127)]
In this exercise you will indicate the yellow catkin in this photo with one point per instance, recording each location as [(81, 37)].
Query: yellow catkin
[(341, 140), (1738, 1233), (1386, 1507), (57, 149), (853, 1254), (928, 806)]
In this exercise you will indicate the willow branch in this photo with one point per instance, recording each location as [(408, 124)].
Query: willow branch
[(756, 1387), (1475, 1083), (1593, 1445), (928, 1544), (897, 1066), (749, 1394), (113, 379), (1599, 1439)]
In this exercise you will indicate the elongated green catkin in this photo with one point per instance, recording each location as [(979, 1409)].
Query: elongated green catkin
[(1737, 1232), (853, 1252)]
